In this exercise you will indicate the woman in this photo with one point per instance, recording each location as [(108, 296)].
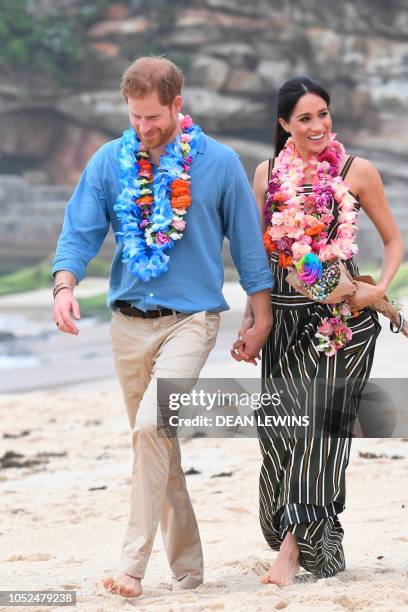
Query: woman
[(313, 346)]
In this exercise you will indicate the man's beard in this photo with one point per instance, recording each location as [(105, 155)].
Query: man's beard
[(159, 137)]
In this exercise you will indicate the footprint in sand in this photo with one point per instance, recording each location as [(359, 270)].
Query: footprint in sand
[(70, 587), (345, 602), (250, 565), (35, 557), (80, 517), (269, 591), (73, 560), (209, 586), (237, 510)]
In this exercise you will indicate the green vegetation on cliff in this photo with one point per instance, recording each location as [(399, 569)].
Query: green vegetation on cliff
[(53, 38), (52, 42)]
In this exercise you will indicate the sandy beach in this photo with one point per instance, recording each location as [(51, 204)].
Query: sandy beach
[(65, 501)]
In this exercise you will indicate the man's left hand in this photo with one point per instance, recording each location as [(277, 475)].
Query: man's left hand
[(249, 344)]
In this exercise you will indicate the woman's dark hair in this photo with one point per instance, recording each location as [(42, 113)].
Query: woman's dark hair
[(288, 97)]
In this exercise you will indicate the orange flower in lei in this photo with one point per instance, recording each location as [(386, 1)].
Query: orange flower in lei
[(145, 169), (145, 200), (180, 194), (179, 187), (146, 173), (269, 244), (285, 261), (315, 229)]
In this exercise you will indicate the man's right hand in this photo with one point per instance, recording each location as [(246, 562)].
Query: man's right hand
[(66, 309)]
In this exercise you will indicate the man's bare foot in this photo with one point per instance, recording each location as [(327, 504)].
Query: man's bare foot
[(124, 585), (282, 573), (286, 565)]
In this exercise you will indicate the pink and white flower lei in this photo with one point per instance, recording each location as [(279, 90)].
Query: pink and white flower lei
[(300, 212), (297, 223)]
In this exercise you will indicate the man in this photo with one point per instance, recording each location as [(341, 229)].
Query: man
[(170, 208)]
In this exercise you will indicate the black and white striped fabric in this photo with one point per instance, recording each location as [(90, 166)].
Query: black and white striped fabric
[(302, 480)]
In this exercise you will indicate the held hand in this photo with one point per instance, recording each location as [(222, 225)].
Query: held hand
[(237, 351), (65, 304), (254, 339), (365, 296), (250, 342)]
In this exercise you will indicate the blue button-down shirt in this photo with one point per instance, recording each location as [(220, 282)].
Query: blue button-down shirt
[(222, 204)]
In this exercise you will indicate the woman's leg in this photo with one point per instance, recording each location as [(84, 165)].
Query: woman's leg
[(286, 565)]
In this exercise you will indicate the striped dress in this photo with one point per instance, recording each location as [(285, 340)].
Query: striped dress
[(302, 480)]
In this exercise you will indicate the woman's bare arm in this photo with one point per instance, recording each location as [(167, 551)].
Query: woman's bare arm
[(368, 186)]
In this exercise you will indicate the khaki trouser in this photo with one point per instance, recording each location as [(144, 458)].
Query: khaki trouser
[(175, 346)]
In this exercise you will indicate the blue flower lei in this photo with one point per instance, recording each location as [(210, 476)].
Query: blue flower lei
[(145, 257)]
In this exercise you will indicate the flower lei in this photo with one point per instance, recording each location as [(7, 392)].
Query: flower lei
[(297, 229), (151, 207)]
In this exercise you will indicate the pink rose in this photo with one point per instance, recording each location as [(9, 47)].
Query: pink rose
[(335, 321), (299, 249), (349, 334), (162, 238), (326, 252), (332, 350), (305, 240), (342, 332), (345, 309), (325, 328), (277, 232), (179, 224), (186, 122), (326, 218), (348, 217)]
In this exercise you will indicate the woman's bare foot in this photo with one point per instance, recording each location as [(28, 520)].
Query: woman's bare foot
[(124, 585), (286, 565), (282, 573)]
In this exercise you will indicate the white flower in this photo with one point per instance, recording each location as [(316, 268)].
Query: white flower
[(277, 218), (175, 235), (148, 236)]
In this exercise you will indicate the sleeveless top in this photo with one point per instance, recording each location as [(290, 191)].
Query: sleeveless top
[(282, 294)]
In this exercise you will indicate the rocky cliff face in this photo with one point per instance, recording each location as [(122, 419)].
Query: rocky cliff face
[(235, 56)]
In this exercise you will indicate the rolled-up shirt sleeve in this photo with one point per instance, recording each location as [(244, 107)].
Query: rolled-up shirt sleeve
[(86, 223), (242, 226)]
